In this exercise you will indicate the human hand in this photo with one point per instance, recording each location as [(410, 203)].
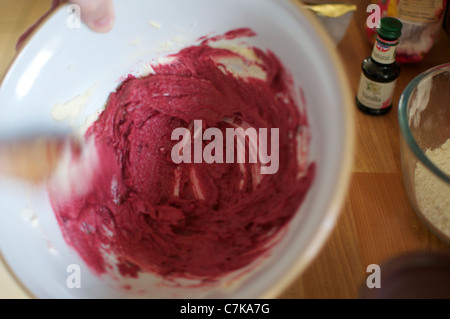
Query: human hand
[(96, 14)]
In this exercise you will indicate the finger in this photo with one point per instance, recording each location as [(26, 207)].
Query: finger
[(97, 14)]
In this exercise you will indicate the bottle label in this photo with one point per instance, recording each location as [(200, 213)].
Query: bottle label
[(420, 11), (375, 95), (384, 51)]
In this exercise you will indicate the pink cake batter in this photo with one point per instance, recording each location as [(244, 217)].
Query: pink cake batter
[(188, 220)]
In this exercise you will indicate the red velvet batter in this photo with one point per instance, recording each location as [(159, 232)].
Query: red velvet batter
[(189, 220)]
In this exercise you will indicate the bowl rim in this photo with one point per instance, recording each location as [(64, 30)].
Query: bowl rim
[(403, 120), (336, 202), (343, 179)]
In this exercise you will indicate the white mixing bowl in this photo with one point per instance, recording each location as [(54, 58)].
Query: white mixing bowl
[(61, 62)]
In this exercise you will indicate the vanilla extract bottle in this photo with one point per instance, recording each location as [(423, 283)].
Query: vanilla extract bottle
[(380, 70)]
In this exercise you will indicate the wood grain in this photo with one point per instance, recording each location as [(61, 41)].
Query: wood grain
[(377, 221)]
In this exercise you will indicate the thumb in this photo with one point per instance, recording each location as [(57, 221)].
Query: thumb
[(97, 14)]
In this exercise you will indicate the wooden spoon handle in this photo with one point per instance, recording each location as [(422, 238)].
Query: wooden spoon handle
[(33, 160)]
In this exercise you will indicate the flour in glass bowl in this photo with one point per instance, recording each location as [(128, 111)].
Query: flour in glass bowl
[(433, 194)]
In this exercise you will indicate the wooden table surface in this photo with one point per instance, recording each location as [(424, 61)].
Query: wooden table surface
[(377, 221)]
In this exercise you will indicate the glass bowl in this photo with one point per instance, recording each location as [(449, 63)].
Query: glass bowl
[(424, 118)]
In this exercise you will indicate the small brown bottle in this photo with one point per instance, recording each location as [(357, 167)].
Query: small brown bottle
[(380, 70)]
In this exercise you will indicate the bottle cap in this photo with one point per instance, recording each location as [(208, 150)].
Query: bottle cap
[(390, 28)]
